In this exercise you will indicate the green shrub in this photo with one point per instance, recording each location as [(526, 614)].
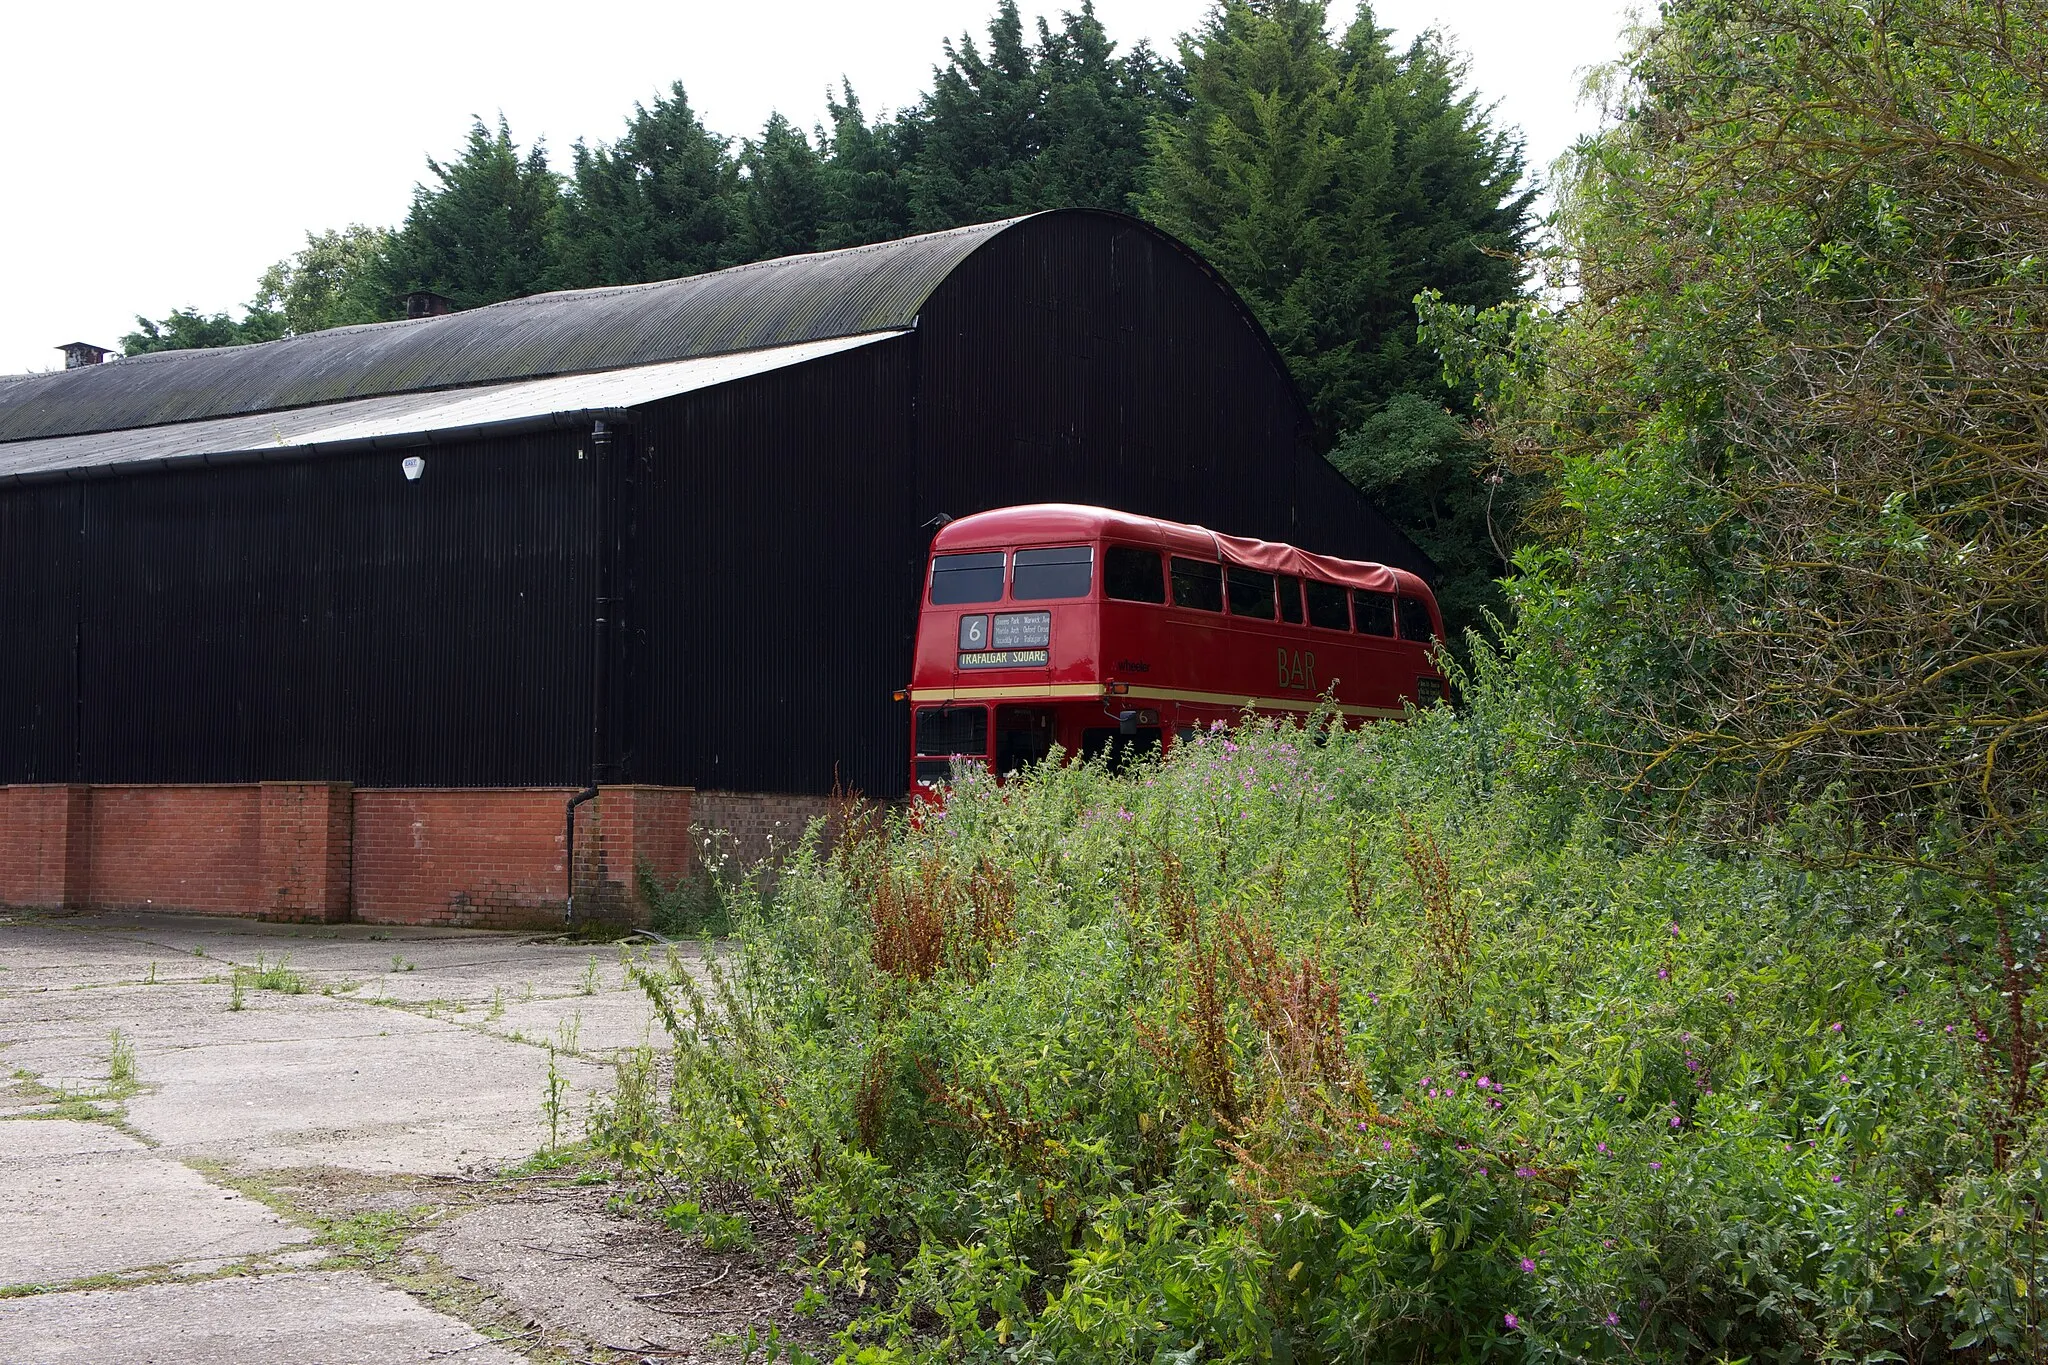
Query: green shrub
[(1365, 1045)]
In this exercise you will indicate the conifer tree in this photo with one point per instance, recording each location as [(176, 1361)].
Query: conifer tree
[(866, 185), (783, 203), (1333, 181), (482, 233), (659, 203), (1058, 124)]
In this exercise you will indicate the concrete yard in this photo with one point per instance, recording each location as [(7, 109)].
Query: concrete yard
[(200, 1172)]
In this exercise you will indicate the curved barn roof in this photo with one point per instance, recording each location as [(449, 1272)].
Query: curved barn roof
[(863, 289)]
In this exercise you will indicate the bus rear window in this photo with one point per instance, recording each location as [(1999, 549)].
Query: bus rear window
[(1197, 584), (1132, 575), (1040, 574), (1327, 606), (1374, 611), (943, 731), (1415, 622), (1290, 600), (967, 578), (1251, 593)]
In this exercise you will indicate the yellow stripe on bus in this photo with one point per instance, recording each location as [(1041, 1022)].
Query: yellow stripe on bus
[(1091, 691)]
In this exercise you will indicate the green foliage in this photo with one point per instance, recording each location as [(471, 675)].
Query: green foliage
[(483, 232), (1370, 1045), (330, 282), (1330, 181), (1057, 124), (185, 329), (657, 204), (1791, 552), (1421, 465)]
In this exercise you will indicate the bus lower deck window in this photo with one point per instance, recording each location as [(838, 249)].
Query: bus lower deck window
[(1197, 584), (1374, 611), (967, 578), (1040, 574), (1251, 593), (1023, 737), (943, 731), (1328, 606), (1290, 599), (1415, 622), (1132, 575)]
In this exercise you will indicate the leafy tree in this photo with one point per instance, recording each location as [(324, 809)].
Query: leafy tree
[(332, 281), (1422, 465), (185, 329), (482, 232), (1795, 551), (659, 203)]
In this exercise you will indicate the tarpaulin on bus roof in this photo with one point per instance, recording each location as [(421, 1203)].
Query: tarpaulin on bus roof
[(1045, 522), (1290, 559)]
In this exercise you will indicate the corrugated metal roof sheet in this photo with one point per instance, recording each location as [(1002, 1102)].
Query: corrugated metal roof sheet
[(408, 419), (772, 303)]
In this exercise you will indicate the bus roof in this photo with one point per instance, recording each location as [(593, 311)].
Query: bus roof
[(1047, 522)]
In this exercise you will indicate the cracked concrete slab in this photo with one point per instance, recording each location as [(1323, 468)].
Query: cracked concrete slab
[(404, 1077), (309, 1317), (82, 1199)]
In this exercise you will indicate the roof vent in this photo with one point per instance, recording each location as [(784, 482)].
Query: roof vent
[(425, 303), (78, 354)]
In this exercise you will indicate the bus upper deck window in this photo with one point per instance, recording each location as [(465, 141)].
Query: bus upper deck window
[(1251, 593), (1197, 584), (1327, 606), (1132, 575), (1040, 574), (1374, 612), (1290, 599), (967, 578), (1415, 622)]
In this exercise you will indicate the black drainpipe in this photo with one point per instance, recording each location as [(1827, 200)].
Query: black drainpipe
[(600, 451)]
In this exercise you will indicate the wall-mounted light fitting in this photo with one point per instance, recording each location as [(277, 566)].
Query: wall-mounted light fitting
[(414, 466)]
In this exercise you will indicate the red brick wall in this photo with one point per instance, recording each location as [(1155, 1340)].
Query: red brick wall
[(484, 858), (45, 844), (757, 826), (323, 851), (177, 848)]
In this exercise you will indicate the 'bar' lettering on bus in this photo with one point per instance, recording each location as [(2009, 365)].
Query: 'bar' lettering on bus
[(1298, 669)]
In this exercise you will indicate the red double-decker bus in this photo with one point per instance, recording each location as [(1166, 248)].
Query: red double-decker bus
[(1103, 632)]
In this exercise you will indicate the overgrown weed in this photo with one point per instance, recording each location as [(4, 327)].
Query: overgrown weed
[(1359, 1045)]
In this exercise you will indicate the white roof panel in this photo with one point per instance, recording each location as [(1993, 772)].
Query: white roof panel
[(408, 419)]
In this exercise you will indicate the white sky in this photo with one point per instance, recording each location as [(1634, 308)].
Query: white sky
[(161, 153)]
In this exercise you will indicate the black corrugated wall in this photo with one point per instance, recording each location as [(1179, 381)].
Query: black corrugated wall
[(775, 566), (39, 624), (311, 619)]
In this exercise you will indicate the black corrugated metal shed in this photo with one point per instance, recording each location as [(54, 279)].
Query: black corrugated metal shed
[(216, 571)]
